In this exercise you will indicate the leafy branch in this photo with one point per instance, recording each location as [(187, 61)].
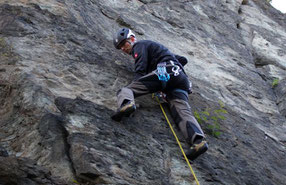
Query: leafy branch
[(213, 118)]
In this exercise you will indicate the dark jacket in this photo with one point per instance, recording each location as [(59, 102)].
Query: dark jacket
[(147, 55)]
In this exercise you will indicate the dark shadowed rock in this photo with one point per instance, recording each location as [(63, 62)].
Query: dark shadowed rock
[(24, 171), (3, 152)]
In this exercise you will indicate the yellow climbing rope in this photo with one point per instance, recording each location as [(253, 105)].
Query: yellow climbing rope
[(178, 141)]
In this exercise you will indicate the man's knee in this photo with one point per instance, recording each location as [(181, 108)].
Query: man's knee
[(178, 94), (124, 90), (123, 95)]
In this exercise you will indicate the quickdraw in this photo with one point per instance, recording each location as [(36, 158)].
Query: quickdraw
[(161, 72)]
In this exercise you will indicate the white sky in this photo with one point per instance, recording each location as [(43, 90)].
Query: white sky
[(280, 5)]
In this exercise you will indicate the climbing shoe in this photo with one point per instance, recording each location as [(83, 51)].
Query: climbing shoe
[(124, 111), (196, 150)]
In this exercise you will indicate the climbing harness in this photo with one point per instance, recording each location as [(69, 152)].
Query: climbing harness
[(187, 160), (161, 72)]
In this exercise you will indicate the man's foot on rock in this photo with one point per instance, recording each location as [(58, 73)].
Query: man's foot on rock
[(196, 150), (124, 111)]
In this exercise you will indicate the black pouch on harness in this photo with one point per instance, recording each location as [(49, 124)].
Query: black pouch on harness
[(183, 60)]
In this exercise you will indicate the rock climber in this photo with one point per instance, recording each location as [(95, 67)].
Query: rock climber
[(159, 70)]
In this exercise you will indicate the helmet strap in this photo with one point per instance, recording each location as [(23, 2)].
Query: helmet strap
[(131, 40)]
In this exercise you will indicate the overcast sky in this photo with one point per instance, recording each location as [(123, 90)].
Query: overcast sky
[(280, 5)]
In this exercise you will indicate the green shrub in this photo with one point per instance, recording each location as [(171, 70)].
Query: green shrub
[(275, 82), (212, 117)]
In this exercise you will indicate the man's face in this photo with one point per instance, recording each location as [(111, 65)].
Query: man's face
[(126, 46)]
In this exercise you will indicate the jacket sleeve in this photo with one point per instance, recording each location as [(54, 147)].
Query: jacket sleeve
[(140, 55)]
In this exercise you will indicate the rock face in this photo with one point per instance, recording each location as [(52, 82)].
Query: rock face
[(59, 74)]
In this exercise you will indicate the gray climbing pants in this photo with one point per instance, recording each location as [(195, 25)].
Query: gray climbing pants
[(176, 90)]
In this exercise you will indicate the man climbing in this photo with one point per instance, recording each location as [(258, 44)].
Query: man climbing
[(158, 70)]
